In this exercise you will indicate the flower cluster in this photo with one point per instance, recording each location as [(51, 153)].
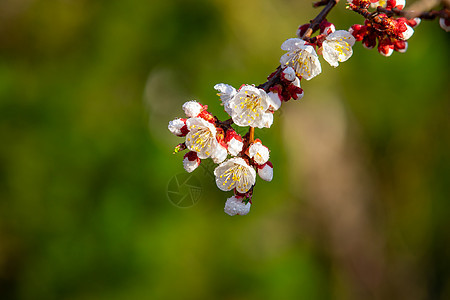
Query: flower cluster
[(335, 46), (391, 33), (241, 158)]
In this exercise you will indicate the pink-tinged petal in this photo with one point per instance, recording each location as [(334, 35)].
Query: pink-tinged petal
[(191, 161), (445, 24), (265, 171)]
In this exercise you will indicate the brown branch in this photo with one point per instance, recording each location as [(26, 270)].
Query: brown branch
[(314, 24), (272, 81), (429, 15), (320, 3)]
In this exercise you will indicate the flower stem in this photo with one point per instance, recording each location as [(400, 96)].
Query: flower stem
[(251, 132)]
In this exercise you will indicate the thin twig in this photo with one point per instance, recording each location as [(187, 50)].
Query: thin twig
[(429, 15), (314, 24)]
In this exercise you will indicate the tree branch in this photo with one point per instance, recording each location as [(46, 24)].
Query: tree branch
[(314, 24), (429, 15)]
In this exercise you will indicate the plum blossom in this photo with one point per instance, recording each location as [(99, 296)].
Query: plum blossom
[(445, 24), (249, 107), (296, 90), (389, 4), (220, 154), (234, 142), (235, 173), (201, 137), (192, 108), (404, 30), (191, 161), (288, 74), (236, 206), (226, 93), (327, 27), (258, 152), (337, 47), (274, 100), (265, 171), (301, 57), (178, 127)]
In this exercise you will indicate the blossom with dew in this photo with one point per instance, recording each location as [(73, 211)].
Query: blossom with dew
[(235, 173), (234, 142), (249, 107), (265, 171), (191, 161), (445, 24), (220, 154), (274, 100), (201, 137), (337, 47), (288, 74), (258, 152), (236, 206), (301, 57), (178, 127), (192, 108), (226, 93)]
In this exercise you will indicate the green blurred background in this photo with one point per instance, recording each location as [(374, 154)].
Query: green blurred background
[(359, 205)]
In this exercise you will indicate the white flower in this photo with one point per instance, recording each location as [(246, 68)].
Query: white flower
[(249, 107), (405, 35), (234, 142), (403, 50), (418, 20), (386, 51), (444, 24), (301, 57), (337, 47), (296, 82), (235, 206), (265, 171), (191, 161), (267, 120), (235, 146), (226, 93), (201, 137), (400, 4), (381, 3), (289, 74), (259, 153), (192, 109), (178, 127), (274, 100), (220, 154), (235, 173)]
